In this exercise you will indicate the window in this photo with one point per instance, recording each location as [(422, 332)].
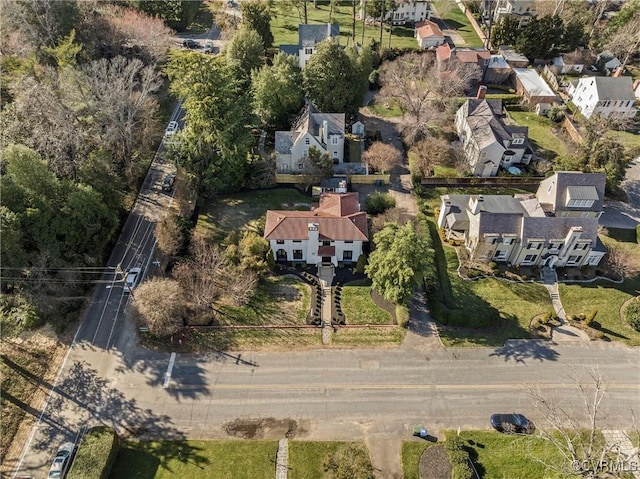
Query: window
[(348, 241), (530, 258), (574, 259), (305, 152), (500, 255), (280, 242), (492, 240), (307, 141), (308, 51), (297, 241), (347, 255), (581, 246), (580, 203), (335, 154), (555, 245), (334, 140), (326, 243), (297, 254), (518, 141), (300, 166), (507, 240), (534, 245)]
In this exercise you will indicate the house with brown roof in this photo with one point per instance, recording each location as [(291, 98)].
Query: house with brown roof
[(429, 34), (334, 232), (468, 56), (556, 227)]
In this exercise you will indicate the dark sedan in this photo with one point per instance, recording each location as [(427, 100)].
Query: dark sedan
[(512, 423)]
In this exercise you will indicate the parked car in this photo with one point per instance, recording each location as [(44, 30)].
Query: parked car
[(512, 423), (172, 128), (208, 47), (191, 44), (593, 68), (131, 279), (167, 184), (61, 461)]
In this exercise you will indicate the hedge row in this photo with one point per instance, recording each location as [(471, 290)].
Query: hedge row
[(459, 458), (96, 454)]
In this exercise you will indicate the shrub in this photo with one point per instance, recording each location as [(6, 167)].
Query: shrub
[(461, 471), (361, 263), (632, 314), (459, 458), (402, 315), (582, 317), (556, 114), (378, 203), (96, 454), (545, 318)]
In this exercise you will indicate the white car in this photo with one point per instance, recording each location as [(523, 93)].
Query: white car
[(131, 279), (172, 129), (61, 461)]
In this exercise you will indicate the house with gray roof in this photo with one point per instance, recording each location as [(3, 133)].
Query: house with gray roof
[(323, 131), (609, 97), (489, 144), (556, 227), (308, 38)]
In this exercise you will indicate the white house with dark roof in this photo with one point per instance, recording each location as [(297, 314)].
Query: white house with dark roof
[(488, 143), (308, 38), (406, 11), (522, 10), (323, 131), (609, 97), (334, 232), (556, 227)]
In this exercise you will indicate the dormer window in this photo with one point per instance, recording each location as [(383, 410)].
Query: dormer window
[(518, 141), (308, 51), (334, 140), (581, 196)]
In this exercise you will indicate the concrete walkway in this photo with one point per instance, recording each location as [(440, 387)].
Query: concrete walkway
[(564, 332), (282, 459), (325, 276), (628, 458)]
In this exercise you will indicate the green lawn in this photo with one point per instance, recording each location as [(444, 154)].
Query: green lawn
[(547, 143), (358, 306), (368, 337), (444, 171), (385, 110), (223, 214), (631, 141), (306, 458), (455, 19), (202, 459), (411, 453), (502, 456), (514, 303), (284, 26)]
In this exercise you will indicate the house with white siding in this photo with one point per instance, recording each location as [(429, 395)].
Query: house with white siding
[(609, 97), (407, 11), (322, 131), (557, 227), (334, 232), (308, 38)]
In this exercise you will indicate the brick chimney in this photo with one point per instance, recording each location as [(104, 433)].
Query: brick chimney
[(482, 91), (618, 72)]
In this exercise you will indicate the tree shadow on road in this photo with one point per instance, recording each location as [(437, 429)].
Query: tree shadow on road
[(81, 390), (520, 351)]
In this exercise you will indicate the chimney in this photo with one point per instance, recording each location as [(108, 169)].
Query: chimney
[(618, 72), (476, 204), (482, 91), (325, 132)]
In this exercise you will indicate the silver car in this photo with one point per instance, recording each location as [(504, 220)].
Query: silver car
[(131, 279), (61, 461)]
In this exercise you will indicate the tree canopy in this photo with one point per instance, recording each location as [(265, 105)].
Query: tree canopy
[(398, 262), (245, 53), (277, 91), (256, 15)]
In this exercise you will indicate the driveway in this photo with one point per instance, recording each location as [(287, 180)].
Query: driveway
[(618, 214)]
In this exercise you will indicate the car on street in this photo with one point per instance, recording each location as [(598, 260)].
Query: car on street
[(512, 423), (172, 128), (168, 182), (191, 44), (131, 279), (61, 461)]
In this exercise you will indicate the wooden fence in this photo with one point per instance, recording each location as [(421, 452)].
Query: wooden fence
[(492, 182)]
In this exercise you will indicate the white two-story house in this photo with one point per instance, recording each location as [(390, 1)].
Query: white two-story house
[(323, 131), (407, 11), (556, 227), (488, 143), (308, 38), (522, 10), (334, 232), (609, 97)]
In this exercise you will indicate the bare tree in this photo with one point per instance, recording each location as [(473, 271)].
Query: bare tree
[(582, 449), (170, 235), (159, 303), (624, 43), (422, 87), (241, 287), (398, 216), (623, 259), (431, 152), (382, 157)]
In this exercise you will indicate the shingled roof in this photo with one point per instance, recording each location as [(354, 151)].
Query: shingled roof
[(484, 120), (338, 217)]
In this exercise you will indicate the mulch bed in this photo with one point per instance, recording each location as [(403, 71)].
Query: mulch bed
[(435, 463)]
